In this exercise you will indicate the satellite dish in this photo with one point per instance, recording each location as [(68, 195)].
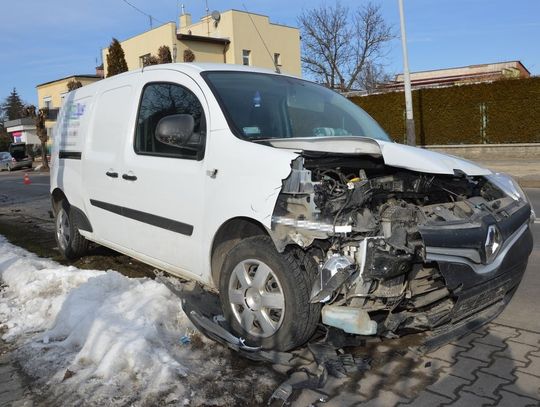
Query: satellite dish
[(216, 16)]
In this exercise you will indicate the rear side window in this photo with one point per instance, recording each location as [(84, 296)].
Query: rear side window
[(159, 100)]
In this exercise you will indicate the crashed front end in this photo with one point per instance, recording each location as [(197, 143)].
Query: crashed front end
[(401, 251)]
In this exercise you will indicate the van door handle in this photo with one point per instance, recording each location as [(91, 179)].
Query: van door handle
[(111, 174), (128, 177)]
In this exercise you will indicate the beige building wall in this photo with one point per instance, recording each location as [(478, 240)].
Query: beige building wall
[(56, 89), (239, 29), (147, 42), (234, 26)]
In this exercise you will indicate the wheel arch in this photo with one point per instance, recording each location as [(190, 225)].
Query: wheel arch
[(57, 197), (229, 234)]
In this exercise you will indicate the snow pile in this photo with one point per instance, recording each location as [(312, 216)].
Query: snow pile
[(81, 329)]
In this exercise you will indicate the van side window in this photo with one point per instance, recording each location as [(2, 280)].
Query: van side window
[(158, 101)]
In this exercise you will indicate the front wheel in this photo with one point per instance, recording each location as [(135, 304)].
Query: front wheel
[(265, 294), (71, 243)]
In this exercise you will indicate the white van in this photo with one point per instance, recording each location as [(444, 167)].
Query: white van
[(286, 198)]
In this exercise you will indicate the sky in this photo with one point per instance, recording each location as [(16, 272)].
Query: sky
[(42, 41)]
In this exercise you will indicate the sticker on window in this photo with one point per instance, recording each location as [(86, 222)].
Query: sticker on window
[(251, 131)]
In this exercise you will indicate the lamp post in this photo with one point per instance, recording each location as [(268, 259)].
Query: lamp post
[(411, 136)]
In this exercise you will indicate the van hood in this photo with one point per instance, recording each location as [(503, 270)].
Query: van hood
[(393, 154)]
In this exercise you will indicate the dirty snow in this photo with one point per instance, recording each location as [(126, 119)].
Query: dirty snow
[(98, 337)]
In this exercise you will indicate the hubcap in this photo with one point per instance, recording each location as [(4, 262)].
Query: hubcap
[(62, 229), (256, 298)]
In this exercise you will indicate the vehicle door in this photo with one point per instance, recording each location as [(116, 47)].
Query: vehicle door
[(162, 183)]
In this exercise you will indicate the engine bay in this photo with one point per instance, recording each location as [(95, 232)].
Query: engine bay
[(372, 228)]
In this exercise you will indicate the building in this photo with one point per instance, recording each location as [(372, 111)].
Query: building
[(23, 131), (233, 37), (462, 75), (51, 94)]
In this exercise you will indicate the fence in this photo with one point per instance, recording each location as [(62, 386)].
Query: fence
[(504, 111)]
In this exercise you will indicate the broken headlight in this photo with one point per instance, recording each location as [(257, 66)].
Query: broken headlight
[(508, 185)]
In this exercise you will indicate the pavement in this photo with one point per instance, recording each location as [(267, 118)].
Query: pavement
[(496, 365)]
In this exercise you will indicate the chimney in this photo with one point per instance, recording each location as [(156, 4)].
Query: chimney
[(100, 71), (185, 18)]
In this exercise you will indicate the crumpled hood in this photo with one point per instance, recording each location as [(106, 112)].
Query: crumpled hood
[(393, 154), (422, 160)]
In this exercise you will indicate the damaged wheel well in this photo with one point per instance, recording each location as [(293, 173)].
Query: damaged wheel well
[(228, 235)]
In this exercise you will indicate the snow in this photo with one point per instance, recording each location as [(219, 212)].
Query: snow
[(99, 338)]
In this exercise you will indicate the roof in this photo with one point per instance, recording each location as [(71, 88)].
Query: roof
[(200, 38), (453, 71), (86, 76)]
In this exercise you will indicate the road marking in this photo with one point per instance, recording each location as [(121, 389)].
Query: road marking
[(537, 221)]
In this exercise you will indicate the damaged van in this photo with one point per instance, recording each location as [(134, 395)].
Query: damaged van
[(287, 199)]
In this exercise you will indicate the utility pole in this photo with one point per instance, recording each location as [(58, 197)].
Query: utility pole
[(411, 136)]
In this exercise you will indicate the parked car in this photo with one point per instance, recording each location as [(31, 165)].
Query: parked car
[(289, 200), (15, 158)]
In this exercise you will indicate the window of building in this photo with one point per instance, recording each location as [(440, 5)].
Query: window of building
[(246, 57), (158, 101), (143, 59), (47, 102), (277, 59), (62, 98)]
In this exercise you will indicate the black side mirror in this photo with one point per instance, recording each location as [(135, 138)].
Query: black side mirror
[(177, 130)]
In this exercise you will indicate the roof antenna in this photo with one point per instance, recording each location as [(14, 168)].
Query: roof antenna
[(262, 40)]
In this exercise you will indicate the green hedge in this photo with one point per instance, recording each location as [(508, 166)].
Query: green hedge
[(505, 111)]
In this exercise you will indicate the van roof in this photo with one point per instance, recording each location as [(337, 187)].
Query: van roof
[(202, 67)]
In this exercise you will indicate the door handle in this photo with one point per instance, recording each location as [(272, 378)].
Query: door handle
[(128, 177), (111, 174)]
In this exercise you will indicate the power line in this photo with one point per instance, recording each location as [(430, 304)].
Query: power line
[(142, 12)]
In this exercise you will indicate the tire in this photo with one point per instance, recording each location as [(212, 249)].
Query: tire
[(71, 243), (265, 294)]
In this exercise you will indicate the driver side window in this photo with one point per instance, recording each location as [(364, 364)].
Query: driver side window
[(158, 101)]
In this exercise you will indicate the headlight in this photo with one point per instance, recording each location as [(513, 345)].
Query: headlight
[(510, 187)]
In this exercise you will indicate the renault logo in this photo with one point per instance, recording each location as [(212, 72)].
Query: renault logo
[(493, 243)]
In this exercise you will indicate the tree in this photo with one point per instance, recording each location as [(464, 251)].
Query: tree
[(41, 130), (338, 45), (116, 60), (13, 106), (5, 139), (150, 60), (74, 84), (189, 56), (164, 55)]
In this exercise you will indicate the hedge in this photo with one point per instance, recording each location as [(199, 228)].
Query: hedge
[(504, 111)]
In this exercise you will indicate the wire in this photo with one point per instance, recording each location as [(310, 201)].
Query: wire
[(142, 12), (262, 40)]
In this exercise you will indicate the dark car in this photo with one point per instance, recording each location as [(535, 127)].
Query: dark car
[(15, 158)]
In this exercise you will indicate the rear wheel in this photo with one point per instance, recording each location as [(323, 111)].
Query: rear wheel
[(71, 243), (265, 294)]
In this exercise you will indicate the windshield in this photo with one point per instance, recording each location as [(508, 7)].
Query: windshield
[(265, 106)]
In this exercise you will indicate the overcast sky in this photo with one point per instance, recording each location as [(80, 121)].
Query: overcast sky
[(45, 40)]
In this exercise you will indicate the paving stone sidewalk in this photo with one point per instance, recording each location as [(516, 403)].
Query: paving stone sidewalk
[(493, 366)]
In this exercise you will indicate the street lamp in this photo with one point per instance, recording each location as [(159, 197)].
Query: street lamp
[(411, 136)]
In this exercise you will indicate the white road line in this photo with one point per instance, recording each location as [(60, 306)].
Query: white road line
[(537, 221)]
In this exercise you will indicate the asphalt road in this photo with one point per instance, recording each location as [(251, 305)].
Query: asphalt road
[(522, 312), (13, 190)]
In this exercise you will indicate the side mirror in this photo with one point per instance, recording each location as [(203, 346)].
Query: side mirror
[(177, 130)]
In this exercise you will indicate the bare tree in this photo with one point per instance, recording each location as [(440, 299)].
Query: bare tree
[(41, 130), (339, 45)]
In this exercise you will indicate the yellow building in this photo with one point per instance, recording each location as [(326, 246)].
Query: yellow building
[(51, 95), (233, 37)]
